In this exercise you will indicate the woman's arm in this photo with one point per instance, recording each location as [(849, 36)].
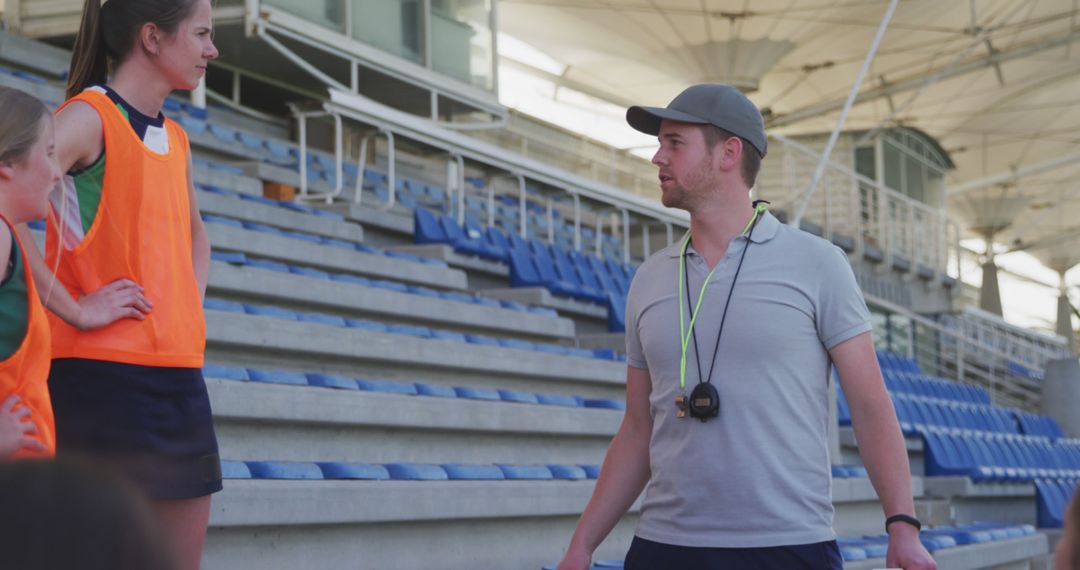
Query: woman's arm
[(79, 142)]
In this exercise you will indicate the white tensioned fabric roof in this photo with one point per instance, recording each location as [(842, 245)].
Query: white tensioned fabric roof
[(996, 82)]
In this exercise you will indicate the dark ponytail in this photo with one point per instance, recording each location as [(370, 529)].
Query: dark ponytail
[(108, 32), (89, 61)]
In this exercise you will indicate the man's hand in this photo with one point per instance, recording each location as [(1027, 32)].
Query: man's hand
[(121, 299), (906, 550), (575, 559), (15, 428)]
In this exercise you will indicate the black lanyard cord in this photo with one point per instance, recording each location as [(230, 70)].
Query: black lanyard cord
[(723, 317)]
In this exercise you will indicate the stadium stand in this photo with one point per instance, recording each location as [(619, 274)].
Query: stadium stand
[(424, 408)]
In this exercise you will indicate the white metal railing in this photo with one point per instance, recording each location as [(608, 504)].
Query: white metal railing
[(975, 348), (855, 206)]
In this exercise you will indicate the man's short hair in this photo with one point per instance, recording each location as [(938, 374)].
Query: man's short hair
[(751, 158)]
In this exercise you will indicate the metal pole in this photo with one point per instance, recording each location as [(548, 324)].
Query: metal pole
[(843, 115), (577, 222)]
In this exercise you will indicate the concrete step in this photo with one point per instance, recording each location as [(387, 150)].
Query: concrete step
[(304, 423), (252, 284), (327, 258), (240, 338)]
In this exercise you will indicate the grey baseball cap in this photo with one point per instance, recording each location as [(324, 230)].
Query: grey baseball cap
[(706, 104)]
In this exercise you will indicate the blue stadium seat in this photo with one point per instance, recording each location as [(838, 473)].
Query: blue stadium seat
[(477, 393), (226, 306), (517, 396), (277, 377), (222, 133), (365, 324), (426, 228), (526, 472), (284, 470), (448, 335), (387, 386), (1052, 498), (363, 471), (268, 311), (604, 404), (435, 390), (224, 372), (354, 279), (233, 258), (467, 472), (234, 470), (558, 400), (416, 472), (410, 330), (331, 381), (567, 472)]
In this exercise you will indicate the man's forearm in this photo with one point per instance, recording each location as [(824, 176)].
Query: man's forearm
[(622, 478), (884, 454)]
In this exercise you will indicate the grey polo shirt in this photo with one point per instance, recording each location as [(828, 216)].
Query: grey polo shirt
[(759, 474)]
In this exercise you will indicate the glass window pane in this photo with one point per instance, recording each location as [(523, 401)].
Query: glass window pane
[(461, 40), (892, 166), (326, 13), (864, 162), (394, 26)]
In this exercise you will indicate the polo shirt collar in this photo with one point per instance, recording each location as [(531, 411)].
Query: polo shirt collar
[(766, 229)]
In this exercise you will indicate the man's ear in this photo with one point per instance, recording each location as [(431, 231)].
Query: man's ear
[(731, 154), (150, 38), (7, 172)]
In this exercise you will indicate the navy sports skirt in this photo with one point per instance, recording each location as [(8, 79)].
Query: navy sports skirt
[(649, 555), (152, 423)]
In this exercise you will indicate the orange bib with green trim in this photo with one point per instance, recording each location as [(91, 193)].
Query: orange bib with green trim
[(142, 232), (26, 372)]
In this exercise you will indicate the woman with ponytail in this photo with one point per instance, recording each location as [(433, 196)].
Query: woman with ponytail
[(28, 170), (130, 256)]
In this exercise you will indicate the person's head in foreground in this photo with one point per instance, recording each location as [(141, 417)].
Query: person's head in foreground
[(1067, 555), (65, 514)]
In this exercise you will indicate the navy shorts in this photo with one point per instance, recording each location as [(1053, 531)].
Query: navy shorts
[(152, 423), (649, 555)]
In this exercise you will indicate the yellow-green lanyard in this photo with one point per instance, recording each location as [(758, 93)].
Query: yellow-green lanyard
[(684, 333)]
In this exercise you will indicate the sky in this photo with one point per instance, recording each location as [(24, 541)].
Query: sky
[(1023, 303)]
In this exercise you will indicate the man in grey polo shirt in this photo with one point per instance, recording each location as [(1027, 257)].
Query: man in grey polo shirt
[(730, 335)]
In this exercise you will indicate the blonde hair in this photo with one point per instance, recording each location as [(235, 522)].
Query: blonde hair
[(20, 124)]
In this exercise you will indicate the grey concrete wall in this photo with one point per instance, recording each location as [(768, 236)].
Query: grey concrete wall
[(1061, 394)]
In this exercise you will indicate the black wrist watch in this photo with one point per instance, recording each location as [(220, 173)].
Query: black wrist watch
[(904, 519)]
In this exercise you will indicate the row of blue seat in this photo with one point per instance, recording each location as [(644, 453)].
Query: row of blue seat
[(534, 263), (917, 414), (1034, 424), (318, 240), (848, 471), (998, 458), (921, 385), (241, 259), (408, 330), (934, 539), (321, 380), (1052, 498), (892, 361), (333, 470), (854, 549), (294, 206)]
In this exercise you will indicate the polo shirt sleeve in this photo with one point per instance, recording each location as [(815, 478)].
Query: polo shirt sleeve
[(841, 310), (635, 355)]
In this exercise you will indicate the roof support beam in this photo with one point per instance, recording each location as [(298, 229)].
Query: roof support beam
[(1014, 175), (915, 81)]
